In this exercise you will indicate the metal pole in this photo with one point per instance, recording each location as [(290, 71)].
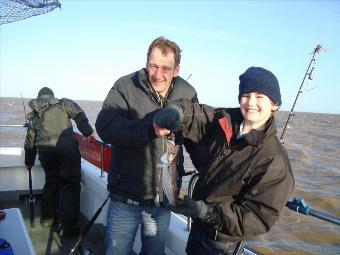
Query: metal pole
[(239, 250), (191, 186), (14, 125)]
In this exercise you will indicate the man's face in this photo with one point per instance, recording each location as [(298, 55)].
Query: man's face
[(161, 70)]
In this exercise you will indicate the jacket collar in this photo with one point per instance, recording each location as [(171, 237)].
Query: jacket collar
[(41, 104), (254, 137)]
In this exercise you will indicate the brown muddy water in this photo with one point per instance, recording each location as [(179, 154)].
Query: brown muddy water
[(313, 144)]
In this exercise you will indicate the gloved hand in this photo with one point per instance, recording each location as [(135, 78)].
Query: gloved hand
[(191, 208), (169, 117), (28, 167)]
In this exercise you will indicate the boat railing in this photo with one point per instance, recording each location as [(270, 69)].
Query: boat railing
[(240, 249), (95, 152)]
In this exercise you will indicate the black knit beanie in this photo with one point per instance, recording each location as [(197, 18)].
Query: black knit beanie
[(258, 79), (45, 91)]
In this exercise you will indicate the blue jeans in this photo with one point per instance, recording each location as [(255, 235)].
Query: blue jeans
[(122, 224)]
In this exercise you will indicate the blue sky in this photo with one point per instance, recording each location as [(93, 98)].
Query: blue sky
[(82, 49)]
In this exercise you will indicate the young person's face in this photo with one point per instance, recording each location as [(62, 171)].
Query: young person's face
[(161, 70), (256, 108)]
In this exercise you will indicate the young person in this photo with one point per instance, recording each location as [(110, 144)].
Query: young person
[(245, 177)]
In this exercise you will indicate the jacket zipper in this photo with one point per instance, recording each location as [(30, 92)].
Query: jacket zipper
[(214, 164)]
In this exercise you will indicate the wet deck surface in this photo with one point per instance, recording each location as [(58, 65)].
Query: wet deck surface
[(47, 241)]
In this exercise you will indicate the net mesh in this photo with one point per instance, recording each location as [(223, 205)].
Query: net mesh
[(13, 10)]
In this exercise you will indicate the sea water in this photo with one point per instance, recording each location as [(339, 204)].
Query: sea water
[(313, 144)]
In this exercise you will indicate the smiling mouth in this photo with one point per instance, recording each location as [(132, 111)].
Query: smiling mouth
[(158, 82), (252, 110)]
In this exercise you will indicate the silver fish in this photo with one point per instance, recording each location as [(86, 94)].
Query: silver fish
[(170, 176)]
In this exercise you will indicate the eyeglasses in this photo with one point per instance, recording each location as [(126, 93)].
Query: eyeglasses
[(164, 69)]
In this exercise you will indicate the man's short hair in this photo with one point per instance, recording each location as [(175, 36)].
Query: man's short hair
[(165, 46)]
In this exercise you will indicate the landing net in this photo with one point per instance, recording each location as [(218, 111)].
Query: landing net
[(13, 10)]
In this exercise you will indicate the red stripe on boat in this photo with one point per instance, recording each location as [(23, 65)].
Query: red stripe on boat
[(92, 152)]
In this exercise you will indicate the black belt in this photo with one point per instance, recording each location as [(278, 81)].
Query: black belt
[(149, 202)]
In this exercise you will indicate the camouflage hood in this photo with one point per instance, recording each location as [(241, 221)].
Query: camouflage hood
[(40, 104)]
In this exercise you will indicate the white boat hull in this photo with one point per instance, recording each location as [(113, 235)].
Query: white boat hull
[(14, 177)]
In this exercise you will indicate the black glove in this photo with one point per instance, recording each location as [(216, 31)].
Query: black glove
[(192, 208), (169, 117)]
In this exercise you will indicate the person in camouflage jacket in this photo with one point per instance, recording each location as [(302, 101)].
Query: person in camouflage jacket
[(50, 135)]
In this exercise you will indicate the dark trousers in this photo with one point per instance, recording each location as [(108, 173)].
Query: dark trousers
[(61, 192), (200, 244)]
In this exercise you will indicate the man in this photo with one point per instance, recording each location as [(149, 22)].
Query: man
[(134, 179), (245, 177), (50, 133)]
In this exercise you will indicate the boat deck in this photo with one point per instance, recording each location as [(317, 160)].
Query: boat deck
[(46, 241)]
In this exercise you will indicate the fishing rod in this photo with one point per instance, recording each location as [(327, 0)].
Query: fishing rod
[(23, 104), (30, 197), (299, 205), (77, 246), (25, 115), (310, 74)]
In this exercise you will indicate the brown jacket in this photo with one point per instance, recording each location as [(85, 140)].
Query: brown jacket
[(246, 180)]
